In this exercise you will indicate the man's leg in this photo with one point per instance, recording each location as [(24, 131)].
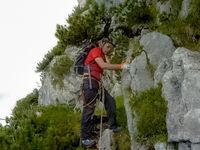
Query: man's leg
[(110, 106), (87, 124)]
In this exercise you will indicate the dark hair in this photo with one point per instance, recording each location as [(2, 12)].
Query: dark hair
[(106, 40)]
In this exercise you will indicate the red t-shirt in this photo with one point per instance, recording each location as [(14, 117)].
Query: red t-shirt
[(95, 70)]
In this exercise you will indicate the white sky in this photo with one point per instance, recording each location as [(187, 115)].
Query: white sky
[(27, 29)]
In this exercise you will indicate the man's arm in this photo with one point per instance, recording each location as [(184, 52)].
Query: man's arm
[(105, 65)]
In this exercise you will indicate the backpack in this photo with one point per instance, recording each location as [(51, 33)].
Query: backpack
[(80, 59)]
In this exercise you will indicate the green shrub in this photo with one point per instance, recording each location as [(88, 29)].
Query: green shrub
[(133, 12), (59, 69), (194, 21), (150, 111), (122, 139), (57, 50), (184, 32), (84, 23), (176, 5), (41, 127), (137, 48), (121, 48)]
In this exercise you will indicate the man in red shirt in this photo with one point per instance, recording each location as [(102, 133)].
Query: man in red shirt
[(95, 63)]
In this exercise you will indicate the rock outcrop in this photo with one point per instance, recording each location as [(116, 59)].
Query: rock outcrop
[(148, 68), (185, 8), (69, 93), (181, 86)]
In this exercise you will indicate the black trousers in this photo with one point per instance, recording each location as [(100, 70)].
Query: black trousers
[(90, 97)]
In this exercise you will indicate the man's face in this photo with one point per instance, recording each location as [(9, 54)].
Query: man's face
[(107, 48)]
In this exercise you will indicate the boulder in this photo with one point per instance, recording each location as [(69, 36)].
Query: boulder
[(185, 8), (181, 87), (148, 68)]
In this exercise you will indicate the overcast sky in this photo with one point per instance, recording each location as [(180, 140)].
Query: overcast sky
[(27, 29)]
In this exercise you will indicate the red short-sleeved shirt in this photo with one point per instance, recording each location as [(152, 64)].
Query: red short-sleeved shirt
[(95, 70)]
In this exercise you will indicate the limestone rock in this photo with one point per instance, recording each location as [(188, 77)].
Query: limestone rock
[(192, 125), (141, 78), (106, 141), (160, 146), (181, 87), (69, 93), (158, 49), (185, 8), (157, 46), (164, 7)]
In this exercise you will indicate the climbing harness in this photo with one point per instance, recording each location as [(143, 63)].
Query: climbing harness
[(98, 93)]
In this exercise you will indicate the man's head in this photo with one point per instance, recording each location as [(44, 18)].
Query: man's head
[(106, 45)]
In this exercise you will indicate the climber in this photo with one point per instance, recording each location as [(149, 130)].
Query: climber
[(95, 63)]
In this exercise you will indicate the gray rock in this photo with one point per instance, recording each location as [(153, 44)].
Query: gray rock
[(185, 8), (170, 146), (116, 90), (184, 146), (106, 141), (69, 93), (140, 75), (160, 146), (164, 7), (143, 147), (158, 51), (157, 47), (181, 87), (192, 125), (195, 146), (164, 66), (130, 120)]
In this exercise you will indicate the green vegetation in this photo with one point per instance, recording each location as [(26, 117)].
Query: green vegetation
[(150, 111), (51, 127), (91, 20), (121, 48), (57, 50), (137, 48), (176, 5), (184, 32), (40, 127), (122, 139), (94, 22), (133, 12), (59, 69), (150, 66)]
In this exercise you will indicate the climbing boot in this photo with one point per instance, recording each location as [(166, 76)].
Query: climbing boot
[(88, 143)]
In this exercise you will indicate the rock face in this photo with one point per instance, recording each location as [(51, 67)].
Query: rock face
[(148, 68), (179, 72), (185, 8), (69, 93), (106, 141), (164, 7), (181, 87)]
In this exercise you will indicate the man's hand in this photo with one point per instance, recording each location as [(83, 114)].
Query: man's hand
[(125, 66)]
